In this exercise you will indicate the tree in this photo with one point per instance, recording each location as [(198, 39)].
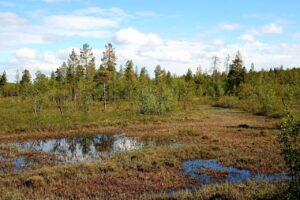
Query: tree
[(87, 61), (185, 91), (25, 80), (101, 79), (252, 68), (58, 75), (109, 59), (3, 80), (159, 74), (144, 76), (129, 72), (17, 77), (37, 92), (215, 64), (130, 78), (226, 63), (63, 71), (189, 75), (236, 74), (73, 63)]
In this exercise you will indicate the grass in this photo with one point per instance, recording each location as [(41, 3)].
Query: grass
[(17, 117), (276, 110), (244, 191), (205, 133)]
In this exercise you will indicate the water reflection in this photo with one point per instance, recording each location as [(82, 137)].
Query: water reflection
[(212, 172), (85, 148)]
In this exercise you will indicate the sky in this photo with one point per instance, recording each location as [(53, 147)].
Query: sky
[(181, 34)]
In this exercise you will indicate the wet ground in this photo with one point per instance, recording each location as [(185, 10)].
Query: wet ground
[(22, 156), (234, 138), (212, 172)]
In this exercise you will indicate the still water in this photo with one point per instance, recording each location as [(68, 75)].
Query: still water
[(87, 148), (198, 168)]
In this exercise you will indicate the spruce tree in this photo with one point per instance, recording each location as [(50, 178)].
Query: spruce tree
[(26, 78), (236, 74), (3, 80)]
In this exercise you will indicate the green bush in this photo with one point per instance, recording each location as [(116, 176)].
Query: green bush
[(290, 149), (153, 100)]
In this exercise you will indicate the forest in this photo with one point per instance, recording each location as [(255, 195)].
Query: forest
[(78, 84)]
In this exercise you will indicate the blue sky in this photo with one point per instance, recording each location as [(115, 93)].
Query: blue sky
[(39, 34)]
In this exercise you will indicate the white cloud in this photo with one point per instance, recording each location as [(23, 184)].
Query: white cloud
[(8, 20), (272, 29), (17, 31), (174, 55), (26, 53), (47, 61), (73, 22), (132, 36), (229, 26), (218, 42), (178, 55), (247, 38), (268, 29), (103, 12)]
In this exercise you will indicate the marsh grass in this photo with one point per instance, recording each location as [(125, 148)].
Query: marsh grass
[(203, 132)]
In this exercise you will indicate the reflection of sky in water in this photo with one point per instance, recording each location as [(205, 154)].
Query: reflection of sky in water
[(82, 148), (19, 162), (235, 175)]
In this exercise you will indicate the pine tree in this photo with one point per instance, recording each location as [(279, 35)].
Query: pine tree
[(109, 60), (73, 63), (87, 61), (129, 72)]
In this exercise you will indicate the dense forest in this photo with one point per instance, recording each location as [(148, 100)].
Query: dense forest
[(78, 83)]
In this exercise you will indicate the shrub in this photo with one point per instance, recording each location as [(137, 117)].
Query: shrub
[(152, 100), (290, 149)]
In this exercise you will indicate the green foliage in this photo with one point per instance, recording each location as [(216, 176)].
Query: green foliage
[(3, 80), (185, 91), (109, 59), (236, 74), (10, 89), (154, 100), (129, 72), (77, 80), (25, 81), (289, 139)]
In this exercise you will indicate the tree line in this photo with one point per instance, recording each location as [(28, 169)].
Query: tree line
[(79, 83)]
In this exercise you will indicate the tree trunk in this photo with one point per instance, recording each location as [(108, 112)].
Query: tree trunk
[(104, 96), (59, 104)]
